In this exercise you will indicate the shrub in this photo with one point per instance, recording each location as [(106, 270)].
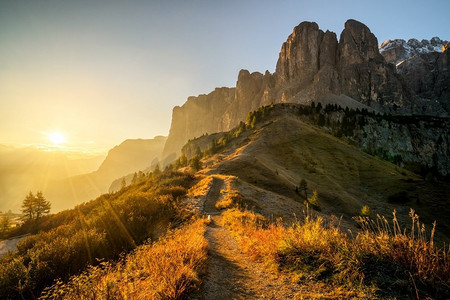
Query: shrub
[(365, 211), (314, 200)]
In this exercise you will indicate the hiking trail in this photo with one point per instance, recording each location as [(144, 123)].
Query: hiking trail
[(230, 273)]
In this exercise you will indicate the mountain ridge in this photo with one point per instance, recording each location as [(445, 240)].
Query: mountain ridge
[(285, 146), (312, 66)]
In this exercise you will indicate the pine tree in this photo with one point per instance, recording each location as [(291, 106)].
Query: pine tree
[(183, 160), (28, 207), (195, 163), (5, 223), (199, 152), (304, 187), (157, 170), (123, 184), (135, 178), (42, 206)]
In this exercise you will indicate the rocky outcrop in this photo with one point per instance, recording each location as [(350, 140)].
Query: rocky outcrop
[(364, 75), (424, 67), (398, 50), (312, 66), (198, 116)]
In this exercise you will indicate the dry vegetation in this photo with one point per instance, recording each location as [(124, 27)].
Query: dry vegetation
[(201, 188), (166, 269), (230, 198), (380, 261), (101, 229)]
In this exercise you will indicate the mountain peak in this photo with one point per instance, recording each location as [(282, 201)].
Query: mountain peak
[(312, 66), (398, 50)]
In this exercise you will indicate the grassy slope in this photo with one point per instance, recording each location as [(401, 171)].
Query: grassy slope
[(282, 150)]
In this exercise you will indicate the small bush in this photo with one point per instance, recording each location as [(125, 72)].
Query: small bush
[(365, 211), (314, 201)]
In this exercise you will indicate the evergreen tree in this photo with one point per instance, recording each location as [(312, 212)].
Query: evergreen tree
[(157, 170), (304, 187), (5, 223), (135, 178), (213, 147), (28, 207), (199, 152), (42, 206), (123, 184), (195, 163), (183, 160)]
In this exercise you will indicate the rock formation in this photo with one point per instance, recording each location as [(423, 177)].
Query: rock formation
[(424, 66), (314, 66)]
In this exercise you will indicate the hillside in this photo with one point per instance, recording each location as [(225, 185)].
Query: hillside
[(284, 148), (240, 228), (129, 156)]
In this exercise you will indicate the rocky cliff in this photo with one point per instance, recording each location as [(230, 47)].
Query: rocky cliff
[(425, 67), (312, 66)]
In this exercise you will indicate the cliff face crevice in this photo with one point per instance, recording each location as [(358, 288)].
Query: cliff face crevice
[(312, 66)]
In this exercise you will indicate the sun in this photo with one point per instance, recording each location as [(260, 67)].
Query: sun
[(56, 137)]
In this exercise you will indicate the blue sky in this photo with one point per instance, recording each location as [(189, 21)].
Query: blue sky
[(104, 71)]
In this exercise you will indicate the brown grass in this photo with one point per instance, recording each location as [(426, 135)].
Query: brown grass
[(230, 198), (201, 188), (166, 269), (380, 261)]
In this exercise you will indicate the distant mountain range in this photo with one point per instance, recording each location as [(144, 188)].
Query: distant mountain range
[(69, 182), (30, 169)]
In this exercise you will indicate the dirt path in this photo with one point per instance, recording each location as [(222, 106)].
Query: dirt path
[(213, 195), (10, 245), (230, 274)]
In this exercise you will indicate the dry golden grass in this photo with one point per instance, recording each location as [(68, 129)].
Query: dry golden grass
[(380, 261), (230, 196), (166, 269), (201, 188)]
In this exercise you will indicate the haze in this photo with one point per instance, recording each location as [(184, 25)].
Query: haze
[(101, 72)]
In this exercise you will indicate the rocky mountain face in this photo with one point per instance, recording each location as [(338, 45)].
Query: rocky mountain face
[(313, 65), (425, 67), (398, 50)]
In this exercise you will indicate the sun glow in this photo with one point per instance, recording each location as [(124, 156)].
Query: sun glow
[(57, 138)]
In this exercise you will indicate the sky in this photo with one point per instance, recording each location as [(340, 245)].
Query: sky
[(101, 72)]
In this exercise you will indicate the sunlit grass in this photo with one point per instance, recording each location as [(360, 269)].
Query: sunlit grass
[(380, 260), (201, 188), (166, 269), (230, 197)]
